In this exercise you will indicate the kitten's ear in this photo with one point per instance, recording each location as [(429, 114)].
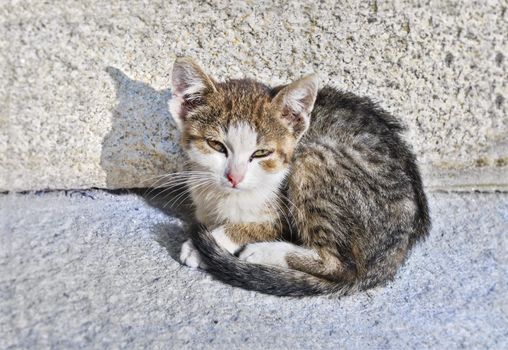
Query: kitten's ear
[(189, 85), (295, 102)]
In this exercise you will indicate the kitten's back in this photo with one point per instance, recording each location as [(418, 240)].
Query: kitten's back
[(357, 187)]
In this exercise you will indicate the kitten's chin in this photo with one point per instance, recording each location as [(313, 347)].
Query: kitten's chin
[(227, 188), (230, 189)]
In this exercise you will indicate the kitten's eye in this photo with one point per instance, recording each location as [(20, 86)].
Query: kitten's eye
[(260, 153), (216, 145)]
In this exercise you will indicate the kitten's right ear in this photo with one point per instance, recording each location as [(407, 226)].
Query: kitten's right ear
[(189, 85)]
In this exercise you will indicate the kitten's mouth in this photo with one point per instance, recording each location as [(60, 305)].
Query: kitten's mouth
[(230, 189)]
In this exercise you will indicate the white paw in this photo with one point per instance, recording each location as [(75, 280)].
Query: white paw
[(266, 253), (222, 239), (189, 255)]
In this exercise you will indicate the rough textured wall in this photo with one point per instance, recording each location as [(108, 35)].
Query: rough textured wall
[(84, 85)]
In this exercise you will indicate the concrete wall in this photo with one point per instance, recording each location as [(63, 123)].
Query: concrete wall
[(84, 87)]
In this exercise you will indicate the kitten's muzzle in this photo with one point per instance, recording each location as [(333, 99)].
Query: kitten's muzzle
[(234, 178)]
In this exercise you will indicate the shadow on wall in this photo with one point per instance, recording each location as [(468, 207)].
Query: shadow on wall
[(141, 143), (139, 148)]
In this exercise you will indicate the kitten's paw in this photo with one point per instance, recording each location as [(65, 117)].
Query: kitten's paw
[(266, 253), (189, 255)]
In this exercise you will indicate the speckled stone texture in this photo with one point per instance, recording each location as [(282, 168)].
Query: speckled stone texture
[(84, 85), (96, 270)]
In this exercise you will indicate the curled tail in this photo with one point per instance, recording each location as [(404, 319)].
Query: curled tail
[(266, 279)]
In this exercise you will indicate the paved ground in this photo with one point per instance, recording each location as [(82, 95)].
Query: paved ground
[(95, 270)]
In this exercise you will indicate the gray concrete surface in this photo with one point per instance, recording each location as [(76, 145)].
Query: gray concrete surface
[(84, 84), (97, 270)]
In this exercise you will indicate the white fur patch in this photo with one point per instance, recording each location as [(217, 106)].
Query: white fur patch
[(249, 201), (241, 141), (241, 138), (273, 253), (223, 240)]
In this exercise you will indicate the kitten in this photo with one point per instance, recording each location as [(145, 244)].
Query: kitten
[(302, 191)]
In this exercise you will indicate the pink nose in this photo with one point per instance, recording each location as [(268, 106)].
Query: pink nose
[(234, 179)]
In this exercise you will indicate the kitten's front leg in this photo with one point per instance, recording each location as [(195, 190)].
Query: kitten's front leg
[(231, 237), (190, 256), (282, 254), (223, 237)]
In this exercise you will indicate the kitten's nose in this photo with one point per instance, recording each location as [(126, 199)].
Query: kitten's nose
[(234, 179)]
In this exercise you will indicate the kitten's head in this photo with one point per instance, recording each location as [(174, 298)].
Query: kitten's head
[(241, 131)]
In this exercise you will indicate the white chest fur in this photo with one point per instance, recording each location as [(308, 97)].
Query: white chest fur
[(234, 207)]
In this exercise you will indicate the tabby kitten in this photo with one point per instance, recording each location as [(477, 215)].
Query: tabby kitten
[(301, 191)]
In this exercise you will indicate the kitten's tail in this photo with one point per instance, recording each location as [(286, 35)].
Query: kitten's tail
[(266, 279)]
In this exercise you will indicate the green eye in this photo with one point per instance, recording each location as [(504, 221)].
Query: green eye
[(216, 145), (260, 153)]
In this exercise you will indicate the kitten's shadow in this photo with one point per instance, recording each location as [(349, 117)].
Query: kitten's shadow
[(175, 203), (142, 134)]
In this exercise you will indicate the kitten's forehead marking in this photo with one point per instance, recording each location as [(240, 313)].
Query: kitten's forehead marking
[(241, 138)]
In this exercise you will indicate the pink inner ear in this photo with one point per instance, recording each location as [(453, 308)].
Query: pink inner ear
[(294, 120), (181, 105), (175, 106)]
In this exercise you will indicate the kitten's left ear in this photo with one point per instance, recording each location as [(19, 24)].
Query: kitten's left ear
[(295, 102), (189, 85)]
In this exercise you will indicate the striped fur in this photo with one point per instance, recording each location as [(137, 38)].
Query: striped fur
[(341, 187)]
